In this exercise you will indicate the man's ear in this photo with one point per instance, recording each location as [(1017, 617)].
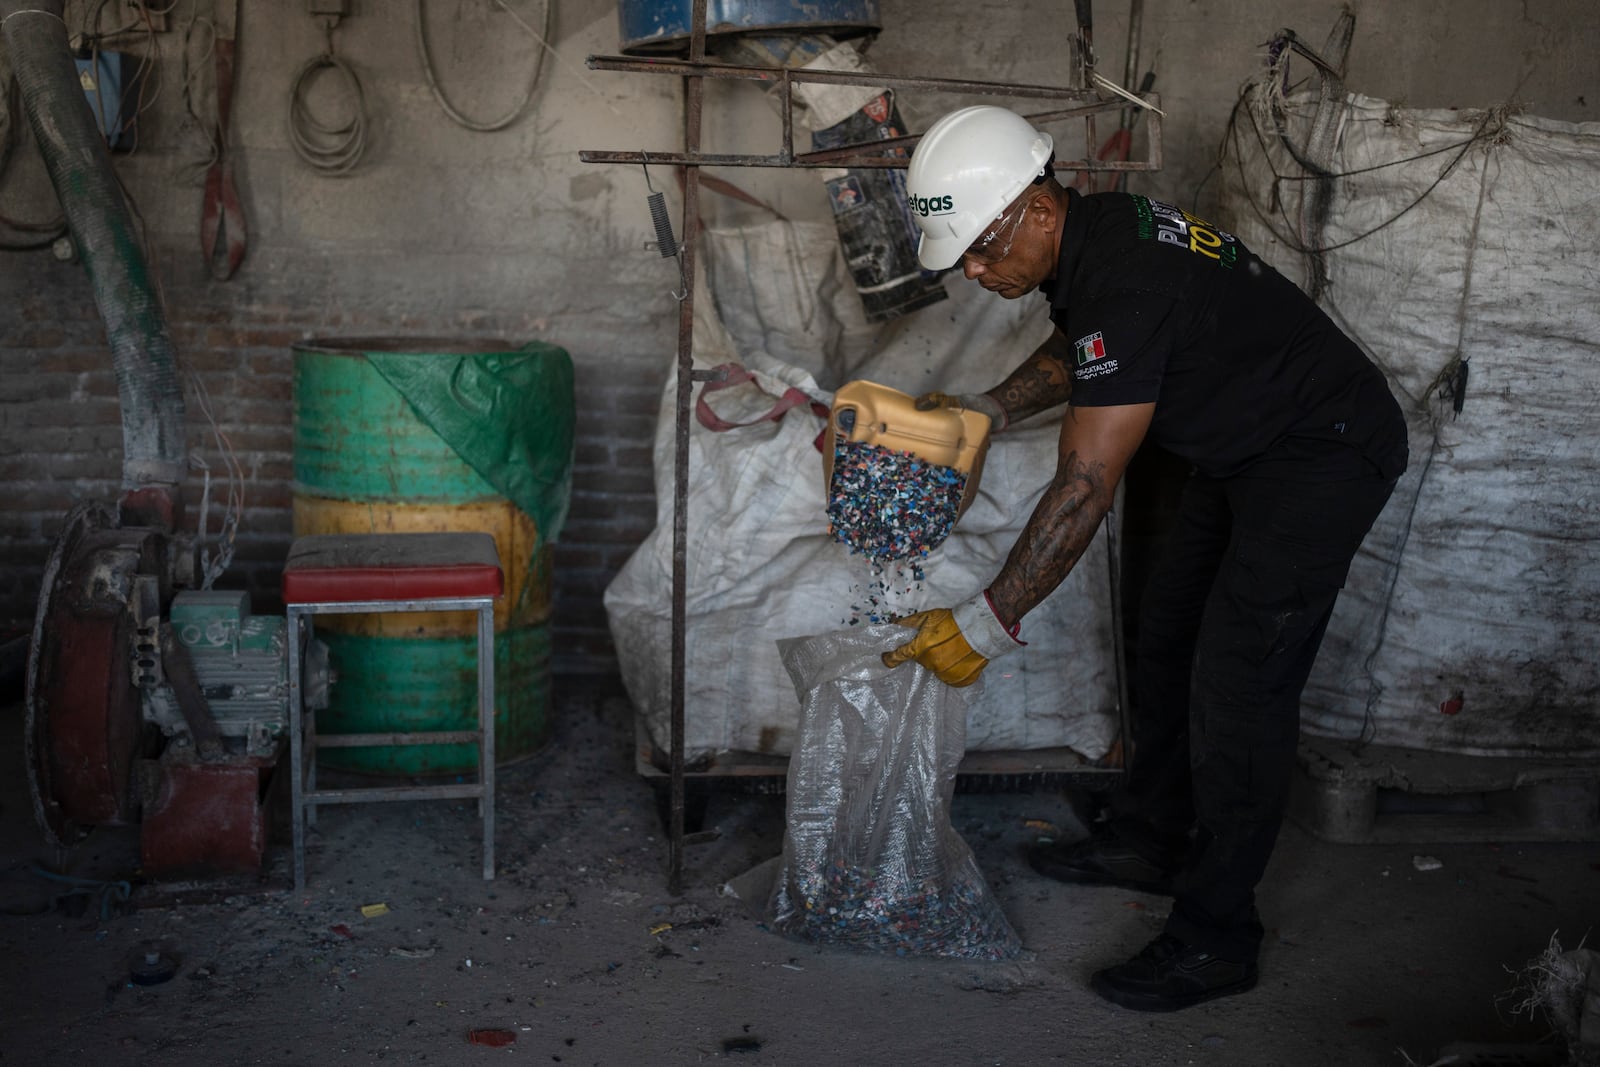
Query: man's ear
[(1042, 205)]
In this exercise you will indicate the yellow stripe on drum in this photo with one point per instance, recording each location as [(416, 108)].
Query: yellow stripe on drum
[(435, 435), (527, 573)]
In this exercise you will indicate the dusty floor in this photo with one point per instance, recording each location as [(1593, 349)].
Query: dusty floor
[(579, 950)]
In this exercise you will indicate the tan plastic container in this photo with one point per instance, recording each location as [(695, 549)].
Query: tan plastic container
[(869, 413)]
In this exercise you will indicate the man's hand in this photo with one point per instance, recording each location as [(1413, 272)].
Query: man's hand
[(956, 644), (979, 402)]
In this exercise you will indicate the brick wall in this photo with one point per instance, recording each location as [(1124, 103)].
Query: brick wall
[(61, 440)]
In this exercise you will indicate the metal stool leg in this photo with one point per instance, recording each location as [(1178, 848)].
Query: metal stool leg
[(486, 731), (296, 746), (303, 738), (308, 736)]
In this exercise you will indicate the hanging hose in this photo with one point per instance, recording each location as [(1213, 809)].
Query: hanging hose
[(102, 228), (540, 38), (331, 148)]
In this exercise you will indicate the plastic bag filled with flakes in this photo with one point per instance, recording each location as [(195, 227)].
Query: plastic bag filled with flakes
[(870, 860)]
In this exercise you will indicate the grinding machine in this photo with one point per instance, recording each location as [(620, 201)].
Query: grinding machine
[(151, 698)]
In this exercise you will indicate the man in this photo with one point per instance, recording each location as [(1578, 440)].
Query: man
[(1166, 328)]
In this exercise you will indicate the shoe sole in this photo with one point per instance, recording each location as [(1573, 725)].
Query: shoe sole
[(1152, 1002)]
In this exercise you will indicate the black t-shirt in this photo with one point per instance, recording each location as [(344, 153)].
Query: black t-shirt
[(1245, 370)]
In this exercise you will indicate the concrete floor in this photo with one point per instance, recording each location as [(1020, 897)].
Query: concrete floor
[(579, 951)]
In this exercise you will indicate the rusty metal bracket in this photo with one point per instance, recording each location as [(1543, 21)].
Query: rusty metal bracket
[(891, 153)]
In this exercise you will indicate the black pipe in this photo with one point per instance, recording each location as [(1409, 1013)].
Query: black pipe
[(101, 225)]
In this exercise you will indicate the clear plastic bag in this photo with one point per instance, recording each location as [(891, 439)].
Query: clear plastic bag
[(870, 860)]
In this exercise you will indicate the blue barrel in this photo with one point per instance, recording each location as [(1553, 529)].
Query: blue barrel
[(663, 26)]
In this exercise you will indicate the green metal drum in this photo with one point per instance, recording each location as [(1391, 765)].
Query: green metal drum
[(427, 435)]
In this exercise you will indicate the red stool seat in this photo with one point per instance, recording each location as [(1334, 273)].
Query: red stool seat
[(359, 574), (330, 568)]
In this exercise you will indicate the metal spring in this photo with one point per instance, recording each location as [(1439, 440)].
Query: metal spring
[(665, 241)]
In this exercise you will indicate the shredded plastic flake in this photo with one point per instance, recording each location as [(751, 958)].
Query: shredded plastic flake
[(863, 908), (889, 505), (875, 599)]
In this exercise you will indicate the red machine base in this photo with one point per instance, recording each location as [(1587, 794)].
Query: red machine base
[(206, 818)]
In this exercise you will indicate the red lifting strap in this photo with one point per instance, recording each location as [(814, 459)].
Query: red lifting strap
[(222, 226), (329, 568), (737, 375)]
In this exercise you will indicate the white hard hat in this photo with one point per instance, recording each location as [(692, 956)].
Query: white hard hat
[(965, 170)]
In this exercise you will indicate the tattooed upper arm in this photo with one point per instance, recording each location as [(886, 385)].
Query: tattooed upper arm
[(1059, 349), (1043, 381)]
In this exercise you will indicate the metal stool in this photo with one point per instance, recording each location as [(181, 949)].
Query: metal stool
[(347, 574)]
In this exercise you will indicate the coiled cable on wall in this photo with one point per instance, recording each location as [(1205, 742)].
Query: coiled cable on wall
[(331, 148), (425, 55)]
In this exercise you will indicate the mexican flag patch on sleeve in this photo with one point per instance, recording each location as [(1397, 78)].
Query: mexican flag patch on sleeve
[(1091, 348)]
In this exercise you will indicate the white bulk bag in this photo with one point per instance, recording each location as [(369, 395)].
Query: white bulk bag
[(1471, 620), (761, 565)]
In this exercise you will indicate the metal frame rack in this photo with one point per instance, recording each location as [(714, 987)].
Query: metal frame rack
[(1083, 103)]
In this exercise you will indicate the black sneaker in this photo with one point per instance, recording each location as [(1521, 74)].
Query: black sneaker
[(1101, 860), (1168, 975)]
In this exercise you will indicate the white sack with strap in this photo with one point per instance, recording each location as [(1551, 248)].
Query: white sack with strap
[(761, 565)]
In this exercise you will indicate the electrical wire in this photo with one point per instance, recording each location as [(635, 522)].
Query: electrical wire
[(212, 568), (189, 68), (332, 148), (146, 77), (1491, 126), (420, 28), (112, 895), (92, 30)]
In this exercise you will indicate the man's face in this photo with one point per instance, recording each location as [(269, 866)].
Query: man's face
[(1011, 257)]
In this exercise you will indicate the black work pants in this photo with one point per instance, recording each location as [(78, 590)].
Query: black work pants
[(1229, 625)]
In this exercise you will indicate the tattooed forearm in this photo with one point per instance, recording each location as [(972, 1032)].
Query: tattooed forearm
[(1057, 533), (1042, 381)]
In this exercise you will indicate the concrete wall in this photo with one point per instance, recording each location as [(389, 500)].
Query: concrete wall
[(441, 230)]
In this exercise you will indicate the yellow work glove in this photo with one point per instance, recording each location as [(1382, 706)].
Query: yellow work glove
[(979, 402), (956, 644)]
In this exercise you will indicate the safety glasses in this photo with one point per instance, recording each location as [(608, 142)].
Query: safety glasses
[(994, 244)]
